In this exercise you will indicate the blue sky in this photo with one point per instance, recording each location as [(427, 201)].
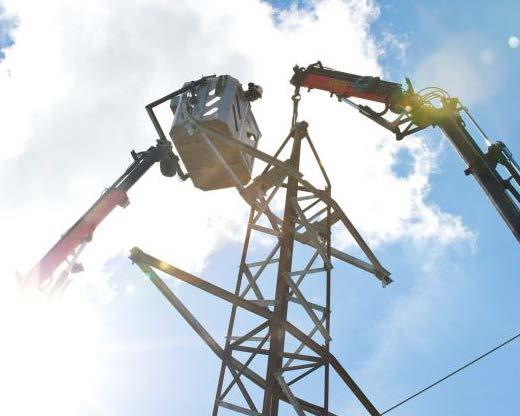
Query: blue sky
[(479, 303), (6, 26), (468, 295)]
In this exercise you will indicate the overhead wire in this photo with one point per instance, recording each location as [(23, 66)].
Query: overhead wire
[(513, 338)]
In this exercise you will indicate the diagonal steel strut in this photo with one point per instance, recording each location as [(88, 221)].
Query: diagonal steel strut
[(146, 262)]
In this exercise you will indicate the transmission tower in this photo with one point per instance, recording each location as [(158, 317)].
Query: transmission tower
[(279, 331)]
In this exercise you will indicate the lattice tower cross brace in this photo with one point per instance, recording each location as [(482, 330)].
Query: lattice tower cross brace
[(274, 386)]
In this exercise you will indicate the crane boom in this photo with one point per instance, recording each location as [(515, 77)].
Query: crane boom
[(69, 246), (82, 230), (344, 84), (416, 112)]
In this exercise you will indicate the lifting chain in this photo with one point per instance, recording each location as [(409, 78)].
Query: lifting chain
[(296, 100)]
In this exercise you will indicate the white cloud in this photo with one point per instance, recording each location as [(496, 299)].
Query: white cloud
[(74, 86), (396, 44)]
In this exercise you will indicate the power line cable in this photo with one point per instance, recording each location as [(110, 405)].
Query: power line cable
[(451, 374)]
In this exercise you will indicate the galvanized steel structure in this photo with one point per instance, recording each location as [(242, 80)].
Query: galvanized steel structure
[(278, 336)]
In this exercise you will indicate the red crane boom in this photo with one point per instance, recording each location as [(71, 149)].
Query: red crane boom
[(417, 111)]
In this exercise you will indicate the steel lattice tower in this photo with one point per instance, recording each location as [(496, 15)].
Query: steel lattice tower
[(279, 330)]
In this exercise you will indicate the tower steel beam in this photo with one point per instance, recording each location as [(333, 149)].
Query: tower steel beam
[(274, 366), (277, 338)]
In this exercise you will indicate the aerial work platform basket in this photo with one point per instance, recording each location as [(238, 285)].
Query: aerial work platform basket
[(219, 105)]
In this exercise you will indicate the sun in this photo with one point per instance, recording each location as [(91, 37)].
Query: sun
[(50, 357)]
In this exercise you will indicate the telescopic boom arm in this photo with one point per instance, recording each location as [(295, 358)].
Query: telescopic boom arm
[(416, 111), (70, 245)]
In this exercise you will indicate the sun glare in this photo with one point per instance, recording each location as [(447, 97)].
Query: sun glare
[(514, 42), (50, 357)]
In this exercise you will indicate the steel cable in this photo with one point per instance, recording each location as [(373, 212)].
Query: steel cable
[(452, 373)]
